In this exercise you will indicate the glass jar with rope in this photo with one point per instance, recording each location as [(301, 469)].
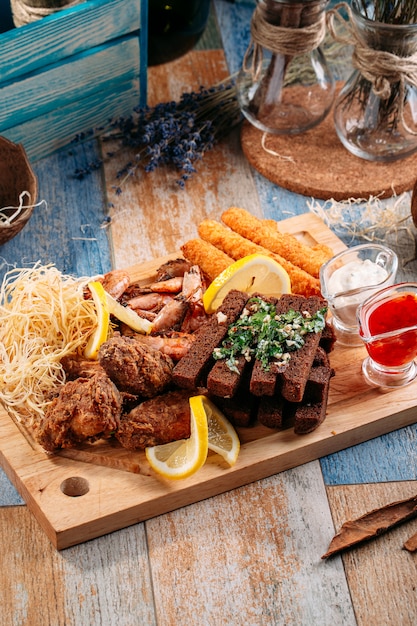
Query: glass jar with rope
[(285, 85)]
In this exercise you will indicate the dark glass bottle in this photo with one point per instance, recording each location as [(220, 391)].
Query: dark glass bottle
[(6, 21), (174, 27)]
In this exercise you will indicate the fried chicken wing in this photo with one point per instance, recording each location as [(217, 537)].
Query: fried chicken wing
[(86, 409), (134, 367), (156, 421), (77, 367)]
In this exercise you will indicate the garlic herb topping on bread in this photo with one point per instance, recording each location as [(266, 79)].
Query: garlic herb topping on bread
[(262, 333)]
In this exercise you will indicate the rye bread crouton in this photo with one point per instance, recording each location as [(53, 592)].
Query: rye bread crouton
[(240, 410), (191, 371), (222, 381), (294, 377), (310, 415), (265, 382), (328, 338), (276, 412), (311, 412), (271, 412)]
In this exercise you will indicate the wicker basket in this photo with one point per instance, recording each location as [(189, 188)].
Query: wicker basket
[(16, 176)]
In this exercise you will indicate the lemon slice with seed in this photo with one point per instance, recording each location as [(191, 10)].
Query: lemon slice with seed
[(99, 336), (222, 437), (181, 459), (255, 273)]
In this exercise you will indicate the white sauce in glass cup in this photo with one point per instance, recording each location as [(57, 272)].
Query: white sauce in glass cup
[(349, 278)]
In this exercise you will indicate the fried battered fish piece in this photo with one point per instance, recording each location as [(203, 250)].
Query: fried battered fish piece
[(156, 421), (237, 247), (210, 259), (134, 367), (284, 244), (86, 409)]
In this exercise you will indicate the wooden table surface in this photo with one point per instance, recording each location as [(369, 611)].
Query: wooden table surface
[(251, 556)]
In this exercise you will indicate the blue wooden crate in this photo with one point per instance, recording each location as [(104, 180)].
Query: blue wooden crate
[(72, 71)]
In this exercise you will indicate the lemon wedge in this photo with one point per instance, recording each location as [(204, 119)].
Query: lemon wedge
[(251, 274), (99, 336), (128, 316), (181, 459), (222, 437), (106, 305)]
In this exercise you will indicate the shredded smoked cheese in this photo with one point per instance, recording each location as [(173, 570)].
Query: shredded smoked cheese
[(43, 317)]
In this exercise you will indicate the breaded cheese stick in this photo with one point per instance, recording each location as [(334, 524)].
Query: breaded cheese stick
[(322, 248), (236, 246), (210, 259), (284, 244)]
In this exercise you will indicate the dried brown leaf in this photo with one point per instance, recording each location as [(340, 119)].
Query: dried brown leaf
[(411, 544), (372, 524)]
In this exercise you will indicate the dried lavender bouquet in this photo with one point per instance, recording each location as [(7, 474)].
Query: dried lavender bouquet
[(172, 134)]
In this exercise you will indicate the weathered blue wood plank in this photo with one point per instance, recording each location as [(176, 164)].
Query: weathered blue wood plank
[(392, 457), (234, 23), (66, 33), (68, 64), (100, 69), (44, 135), (8, 494)]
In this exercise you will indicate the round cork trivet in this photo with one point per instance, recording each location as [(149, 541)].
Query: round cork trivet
[(315, 163)]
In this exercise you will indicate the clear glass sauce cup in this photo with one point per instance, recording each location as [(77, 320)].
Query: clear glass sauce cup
[(388, 328), (351, 277)]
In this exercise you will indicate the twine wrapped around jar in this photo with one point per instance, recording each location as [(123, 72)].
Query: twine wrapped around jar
[(27, 11), (376, 111), (285, 85), (288, 40)]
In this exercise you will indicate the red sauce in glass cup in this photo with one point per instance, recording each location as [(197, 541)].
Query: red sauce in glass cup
[(391, 315)]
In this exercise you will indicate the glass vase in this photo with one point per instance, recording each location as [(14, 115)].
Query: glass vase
[(375, 113), (285, 85)]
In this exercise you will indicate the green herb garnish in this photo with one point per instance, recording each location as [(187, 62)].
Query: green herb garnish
[(263, 334)]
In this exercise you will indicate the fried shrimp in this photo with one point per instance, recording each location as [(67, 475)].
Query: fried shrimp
[(263, 233), (233, 244)]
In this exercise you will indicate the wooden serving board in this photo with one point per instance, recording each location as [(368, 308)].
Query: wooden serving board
[(102, 488)]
